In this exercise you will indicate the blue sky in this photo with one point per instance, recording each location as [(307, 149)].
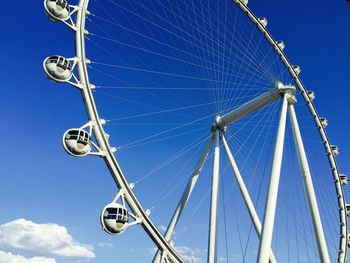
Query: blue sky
[(41, 184)]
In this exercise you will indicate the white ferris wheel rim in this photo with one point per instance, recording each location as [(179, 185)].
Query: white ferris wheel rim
[(116, 172)]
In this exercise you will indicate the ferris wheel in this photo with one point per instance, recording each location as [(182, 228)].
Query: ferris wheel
[(217, 134)]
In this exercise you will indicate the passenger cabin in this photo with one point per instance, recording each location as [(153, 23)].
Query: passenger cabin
[(324, 122), (58, 68), (281, 44), (344, 180), (57, 10), (114, 218), (335, 150), (263, 21), (297, 69), (347, 209), (77, 142), (311, 95)]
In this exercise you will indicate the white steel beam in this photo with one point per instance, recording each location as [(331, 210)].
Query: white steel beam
[(185, 196), (270, 208), (308, 187), (246, 196), (247, 108), (212, 244)]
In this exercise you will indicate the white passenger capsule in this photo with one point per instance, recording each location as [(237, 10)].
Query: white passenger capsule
[(114, 218), (335, 150), (324, 122), (347, 207), (77, 142), (344, 180), (57, 10), (263, 21), (297, 69), (311, 95), (348, 239), (280, 44), (58, 68)]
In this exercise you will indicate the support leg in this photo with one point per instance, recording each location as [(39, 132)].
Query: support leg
[(212, 244), (309, 188), (270, 208), (185, 196), (245, 194)]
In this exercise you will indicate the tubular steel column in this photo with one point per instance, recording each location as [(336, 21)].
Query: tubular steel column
[(247, 108), (185, 196), (212, 246), (269, 218), (245, 194), (309, 188)]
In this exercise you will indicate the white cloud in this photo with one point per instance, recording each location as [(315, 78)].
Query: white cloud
[(162, 228), (48, 239), (190, 255), (222, 259), (7, 257), (102, 244)]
